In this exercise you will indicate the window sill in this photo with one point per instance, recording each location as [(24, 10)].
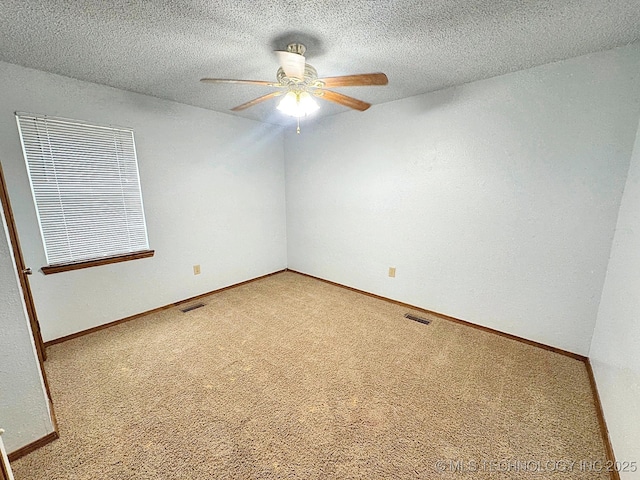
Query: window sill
[(65, 267)]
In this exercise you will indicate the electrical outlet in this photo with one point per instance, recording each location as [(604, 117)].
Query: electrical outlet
[(392, 272), (196, 269)]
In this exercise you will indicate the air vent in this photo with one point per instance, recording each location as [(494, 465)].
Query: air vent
[(191, 307), (417, 319)]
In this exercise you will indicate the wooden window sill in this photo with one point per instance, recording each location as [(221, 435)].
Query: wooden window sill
[(65, 267)]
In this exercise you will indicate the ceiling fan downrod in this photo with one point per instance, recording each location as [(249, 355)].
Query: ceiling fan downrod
[(296, 48)]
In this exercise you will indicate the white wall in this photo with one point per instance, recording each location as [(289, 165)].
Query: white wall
[(24, 408), (615, 349), (213, 191), (496, 201)]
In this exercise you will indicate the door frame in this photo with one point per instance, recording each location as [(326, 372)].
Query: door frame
[(23, 272), (5, 468)]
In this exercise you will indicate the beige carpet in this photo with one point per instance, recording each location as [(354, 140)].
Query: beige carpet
[(290, 377)]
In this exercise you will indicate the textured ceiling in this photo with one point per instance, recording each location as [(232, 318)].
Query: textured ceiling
[(163, 48)]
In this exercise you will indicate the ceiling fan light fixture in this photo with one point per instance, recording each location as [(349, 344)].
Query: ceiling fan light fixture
[(298, 104)]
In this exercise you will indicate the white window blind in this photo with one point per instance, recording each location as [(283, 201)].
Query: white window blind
[(86, 188)]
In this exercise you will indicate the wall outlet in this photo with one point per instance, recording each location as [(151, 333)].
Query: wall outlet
[(196, 269), (392, 272)]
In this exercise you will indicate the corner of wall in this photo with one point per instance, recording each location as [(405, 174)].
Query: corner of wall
[(613, 353)]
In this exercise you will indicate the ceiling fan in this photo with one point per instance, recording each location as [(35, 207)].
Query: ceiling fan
[(299, 83)]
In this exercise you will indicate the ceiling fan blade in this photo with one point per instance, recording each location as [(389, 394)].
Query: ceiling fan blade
[(250, 82), (361, 80), (292, 64), (344, 100), (255, 101)]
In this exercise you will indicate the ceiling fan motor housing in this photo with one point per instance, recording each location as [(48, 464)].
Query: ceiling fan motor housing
[(309, 80)]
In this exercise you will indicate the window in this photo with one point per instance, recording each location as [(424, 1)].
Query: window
[(86, 189)]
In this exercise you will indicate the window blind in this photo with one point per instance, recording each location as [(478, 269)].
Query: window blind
[(86, 188)]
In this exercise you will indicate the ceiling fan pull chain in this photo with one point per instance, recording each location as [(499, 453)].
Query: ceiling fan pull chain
[(298, 129)]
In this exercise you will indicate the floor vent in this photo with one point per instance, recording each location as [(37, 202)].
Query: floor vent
[(191, 307), (417, 319)]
